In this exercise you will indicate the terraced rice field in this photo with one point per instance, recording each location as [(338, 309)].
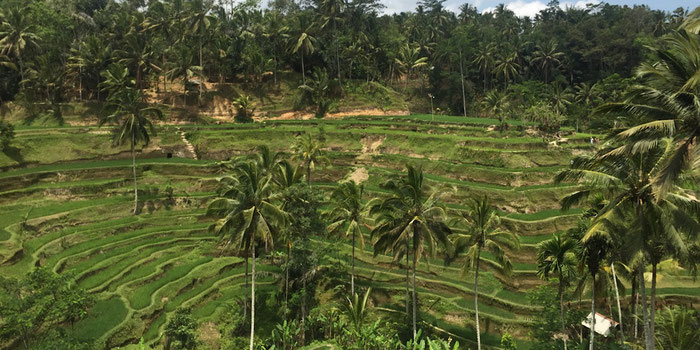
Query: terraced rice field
[(69, 210)]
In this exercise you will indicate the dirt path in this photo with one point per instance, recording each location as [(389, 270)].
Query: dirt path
[(338, 115), (189, 148)]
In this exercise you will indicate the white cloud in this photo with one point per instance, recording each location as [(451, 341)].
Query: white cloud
[(531, 8)]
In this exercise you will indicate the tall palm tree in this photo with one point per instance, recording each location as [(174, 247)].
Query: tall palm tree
[(247, 216), (411, 221), (304, 43), (285, 176), (484, 58), (556, 256), (348, 211), (330, 15), (593, 253), (17, 35), (483, 233), (135, 125), (546, 57), (658, 222), (309, 151), (409, 60)]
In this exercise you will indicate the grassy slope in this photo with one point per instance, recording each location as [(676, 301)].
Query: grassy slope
[(146, 266)]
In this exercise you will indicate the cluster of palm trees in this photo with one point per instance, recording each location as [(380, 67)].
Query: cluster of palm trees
[(410, 223), (640, 186)]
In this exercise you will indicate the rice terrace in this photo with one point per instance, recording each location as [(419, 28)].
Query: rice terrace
[(346, 174)]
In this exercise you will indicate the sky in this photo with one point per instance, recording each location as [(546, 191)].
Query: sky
[(532, 7)]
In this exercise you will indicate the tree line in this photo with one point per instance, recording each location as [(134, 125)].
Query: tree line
[(490, 63)]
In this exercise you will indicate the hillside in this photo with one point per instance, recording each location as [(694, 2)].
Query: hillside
[(69, 210)]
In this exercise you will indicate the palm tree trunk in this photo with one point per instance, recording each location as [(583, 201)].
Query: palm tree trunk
[(634, 306), (245, 286), (252, 300), (619, 309), (165, 86), (308, 174), (352, 273), (286, 279), (476, 300), (561, 307), (592, 340), (303, 71), (652, 307), (461, 74), (337, 56), (648, 336), (408, 297), (415, 259), (201, 67), (133, 165)]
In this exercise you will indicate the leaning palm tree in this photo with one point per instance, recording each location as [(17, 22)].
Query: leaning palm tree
[(483, 234), (556, 256), (135, 125), (586, 95), (247, 215), (411, 221), (309, 151), (348, 211)]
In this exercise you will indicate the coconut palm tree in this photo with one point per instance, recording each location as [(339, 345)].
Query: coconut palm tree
[(184, 67), (139, 55), (247, 216), (586, 95), (507, 66), (556, 256), (668, 103), (409, 59), (331, 14), (483, 234), (285, 175), (317, 92), (309, 151), (17, 35), (348, 211), (546, 57), (135, 125), (594, 252), (484, 59), (303, 43), (658, 223), (411, 221), (561, 98)]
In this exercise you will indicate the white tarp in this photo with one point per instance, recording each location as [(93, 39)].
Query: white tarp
[(603, 325)]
